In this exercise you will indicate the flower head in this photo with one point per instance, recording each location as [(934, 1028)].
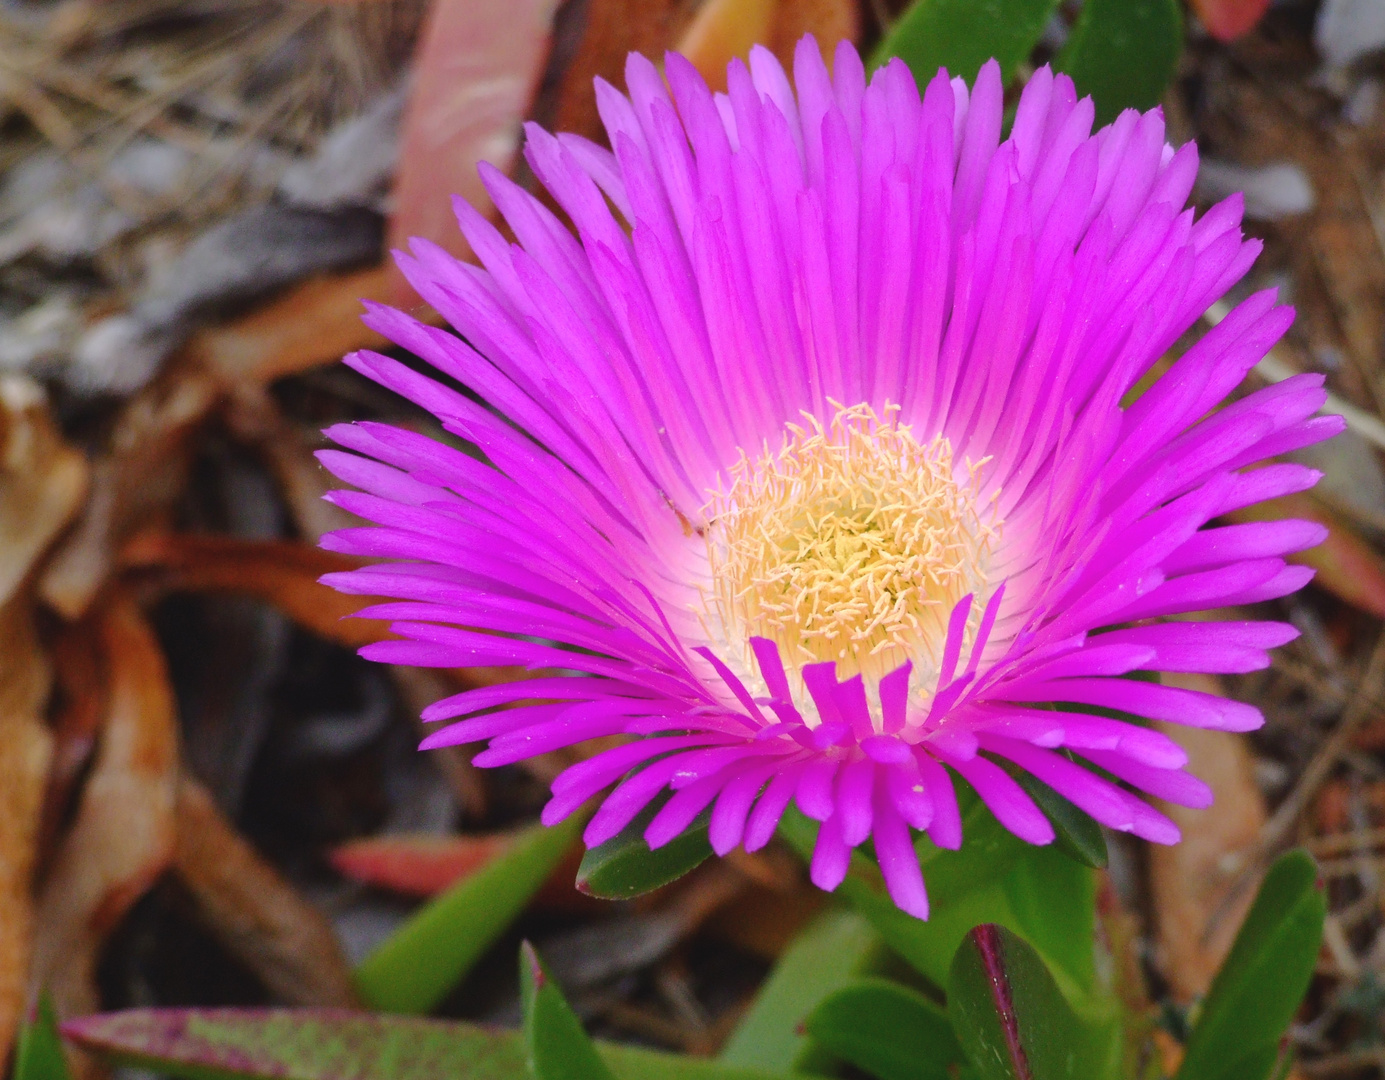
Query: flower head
[(807, 463)]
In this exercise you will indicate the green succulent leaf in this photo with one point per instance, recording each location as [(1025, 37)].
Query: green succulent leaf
[(961, 35), (555, 1046), (1009, 1014), (994, 877), (624, 866), (1123, 53), (416, 966), (888, 1030), (831, 952), (333, 1044), (1259, 988), (39, 1052), (1076, 832)]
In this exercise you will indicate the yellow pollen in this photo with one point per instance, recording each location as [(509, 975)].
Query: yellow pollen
[(853, 542)]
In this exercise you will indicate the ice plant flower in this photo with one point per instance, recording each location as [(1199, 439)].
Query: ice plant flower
[(811, 467)]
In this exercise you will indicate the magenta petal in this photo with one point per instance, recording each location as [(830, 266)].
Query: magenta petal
[(855, 800), (898, 863), (831, 857), (788, 249)]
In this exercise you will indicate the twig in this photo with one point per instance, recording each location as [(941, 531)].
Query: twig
[(1344, 842), (1360, 708)]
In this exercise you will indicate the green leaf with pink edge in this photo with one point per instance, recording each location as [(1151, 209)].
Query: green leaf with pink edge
[(335, 1044), (38, 1054), (1010, 1016), (555, 1046), (994, 877)]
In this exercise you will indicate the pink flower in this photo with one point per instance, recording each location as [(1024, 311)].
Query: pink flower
[(808, 466)]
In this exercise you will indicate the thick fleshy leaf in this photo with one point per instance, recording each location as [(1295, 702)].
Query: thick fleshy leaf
[(994, 877), (1052, 899), (39, 1053), (832, 952), (1123, 53), (1260, 986), (625, 866), (282, 573), (961, 35), (1076, 833), (331, 1044), (962, 892), (1009, 1014), (888, 1030), (415, 967), (555, 1046)]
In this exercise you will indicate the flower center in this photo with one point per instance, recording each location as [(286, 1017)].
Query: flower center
[(853, 542)]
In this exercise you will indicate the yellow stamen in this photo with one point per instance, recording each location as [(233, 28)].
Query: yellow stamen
[(853, 542)]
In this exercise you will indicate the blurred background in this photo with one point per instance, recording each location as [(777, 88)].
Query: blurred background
[(207, 798)]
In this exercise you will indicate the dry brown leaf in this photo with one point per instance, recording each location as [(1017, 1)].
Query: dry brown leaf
[(25, 751), (282, 573), (1199, 888), (83, 699), (479, 64), (613, 30), (287, 452), (121, 839), (42, 481), (723, 30), (133, 485), (260, 918), (315, 324), (830, 21)]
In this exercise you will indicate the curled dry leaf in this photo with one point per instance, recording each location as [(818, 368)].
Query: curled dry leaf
[(257, 915), (134, 483), (1199, 888), (830, 21), (282, 573), (479, 63), (286, 449), (723, 30), (121, 838), (612, 30), (83, 699), (25, 750), (313, 325), (42, 481)]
